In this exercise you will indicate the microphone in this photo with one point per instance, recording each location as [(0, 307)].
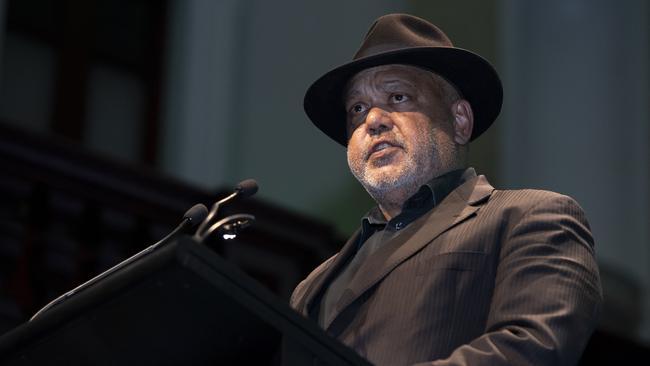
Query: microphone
[(245, 188), (191, 219), (195, 215)]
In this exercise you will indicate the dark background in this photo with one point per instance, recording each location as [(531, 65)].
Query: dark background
[(116, 116)]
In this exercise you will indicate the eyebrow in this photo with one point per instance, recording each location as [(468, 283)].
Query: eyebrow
[(387, 85)]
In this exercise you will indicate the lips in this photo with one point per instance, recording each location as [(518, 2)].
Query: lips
[(380, 146)]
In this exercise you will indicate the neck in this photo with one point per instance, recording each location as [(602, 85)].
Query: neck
[(391, 203)]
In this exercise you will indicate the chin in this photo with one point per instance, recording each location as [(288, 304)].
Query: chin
[(389, 179)]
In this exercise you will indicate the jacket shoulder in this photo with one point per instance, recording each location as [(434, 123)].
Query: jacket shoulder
[(532, 198)]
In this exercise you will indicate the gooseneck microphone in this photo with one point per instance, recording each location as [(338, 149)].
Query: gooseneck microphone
[(195, 215), (245, 188), (191, 220)]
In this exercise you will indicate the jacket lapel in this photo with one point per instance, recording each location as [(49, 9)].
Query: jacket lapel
[(459, 205)]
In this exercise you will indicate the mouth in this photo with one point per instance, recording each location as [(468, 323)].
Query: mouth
[(381, 148)]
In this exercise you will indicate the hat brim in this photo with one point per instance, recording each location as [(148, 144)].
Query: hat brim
[(471, 74)]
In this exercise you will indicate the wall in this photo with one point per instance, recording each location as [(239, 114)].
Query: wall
[(237, 75)]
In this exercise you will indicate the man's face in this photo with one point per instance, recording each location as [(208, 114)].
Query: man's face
[(399, 128)]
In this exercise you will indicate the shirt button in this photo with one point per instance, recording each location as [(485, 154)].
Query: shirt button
[(399, 225)]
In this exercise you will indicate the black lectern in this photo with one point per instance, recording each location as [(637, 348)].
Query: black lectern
[(179, 305)]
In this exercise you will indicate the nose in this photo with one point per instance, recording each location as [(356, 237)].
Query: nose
[(378, 121)]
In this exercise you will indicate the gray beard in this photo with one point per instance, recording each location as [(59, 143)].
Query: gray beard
[(393, 189), (382, 188)]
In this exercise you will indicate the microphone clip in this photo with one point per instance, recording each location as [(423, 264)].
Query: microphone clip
[(227, 228)]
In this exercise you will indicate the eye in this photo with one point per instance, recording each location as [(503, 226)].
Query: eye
[(398, 98), (357, 108)]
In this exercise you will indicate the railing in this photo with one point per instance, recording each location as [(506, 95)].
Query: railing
[(67, 215)]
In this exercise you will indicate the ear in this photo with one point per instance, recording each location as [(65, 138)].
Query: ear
[(463, 121)]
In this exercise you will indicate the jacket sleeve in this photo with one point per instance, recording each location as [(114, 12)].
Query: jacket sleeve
[(547, 293)]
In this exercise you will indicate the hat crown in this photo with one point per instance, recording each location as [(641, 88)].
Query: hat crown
[(398, 31)]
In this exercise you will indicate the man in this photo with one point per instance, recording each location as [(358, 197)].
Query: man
[(446, 270)]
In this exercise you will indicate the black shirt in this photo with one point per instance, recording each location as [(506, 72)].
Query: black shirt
[(376, 231)]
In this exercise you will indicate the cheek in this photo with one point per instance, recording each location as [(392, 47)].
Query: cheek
[(424, 128), (417, 130), (354, 150)]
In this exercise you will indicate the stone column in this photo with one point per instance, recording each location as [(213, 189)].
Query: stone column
[(197, 113)]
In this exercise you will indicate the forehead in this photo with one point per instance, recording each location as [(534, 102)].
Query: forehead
[(386, 75)]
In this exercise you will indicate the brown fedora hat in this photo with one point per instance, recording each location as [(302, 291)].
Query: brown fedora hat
[(409, 40)]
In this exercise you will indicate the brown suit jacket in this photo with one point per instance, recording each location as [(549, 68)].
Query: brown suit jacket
[(487, 277)]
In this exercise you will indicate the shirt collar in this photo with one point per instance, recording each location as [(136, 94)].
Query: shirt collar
[(426, 198)]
